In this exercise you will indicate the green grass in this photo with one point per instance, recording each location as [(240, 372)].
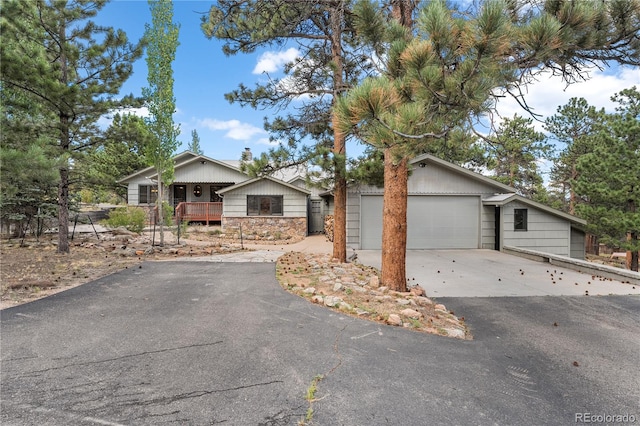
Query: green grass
[(310, 396)]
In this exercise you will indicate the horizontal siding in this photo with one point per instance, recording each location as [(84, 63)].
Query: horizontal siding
[(295, 205), (366, 189), (488, 231), (294, 202), (266, 187), (353, 220), (197, 172), (133, 189), (435, 179), (577, 244), (234, 205), (330, 208), (546, 233)]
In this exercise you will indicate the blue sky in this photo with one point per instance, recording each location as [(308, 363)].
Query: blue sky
[(203, 74)]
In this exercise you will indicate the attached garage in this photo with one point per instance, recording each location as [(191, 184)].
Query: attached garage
[(433, 222), (450, 207)]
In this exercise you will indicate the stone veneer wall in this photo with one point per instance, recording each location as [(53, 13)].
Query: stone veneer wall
[(265, 227)]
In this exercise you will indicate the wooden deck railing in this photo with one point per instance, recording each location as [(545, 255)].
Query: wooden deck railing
[(199, 212)]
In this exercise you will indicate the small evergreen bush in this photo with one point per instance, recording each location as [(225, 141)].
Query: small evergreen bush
[(167, 213), (132, 218)]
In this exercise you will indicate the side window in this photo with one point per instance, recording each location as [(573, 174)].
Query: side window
[(519, 219), (147, 194), (264, 205)]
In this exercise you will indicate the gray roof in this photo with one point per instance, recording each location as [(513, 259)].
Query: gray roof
[(498, 199), (287, 174), (502, 199), (426, 158)]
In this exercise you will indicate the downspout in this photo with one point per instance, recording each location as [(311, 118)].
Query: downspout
[(498, 228)]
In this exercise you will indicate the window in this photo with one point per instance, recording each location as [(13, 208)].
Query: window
[(147, 194), (197, 191), (264, 205), (519, 219)]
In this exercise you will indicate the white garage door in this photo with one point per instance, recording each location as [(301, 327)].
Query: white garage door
[(433, 222)]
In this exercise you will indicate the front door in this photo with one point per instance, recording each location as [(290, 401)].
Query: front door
[(179, 194), (316, 222)]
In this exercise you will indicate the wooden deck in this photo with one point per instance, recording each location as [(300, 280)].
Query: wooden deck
[(199, 212)]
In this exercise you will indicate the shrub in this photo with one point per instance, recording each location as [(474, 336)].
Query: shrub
[(132, 218), (167, 213), (87, 196), (184, 228)]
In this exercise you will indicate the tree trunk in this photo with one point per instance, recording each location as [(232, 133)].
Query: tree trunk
[(572, 193), (632, 256), (63, 186), (63, 211), (402, 11), (632, 237), (339, 145), (160, 206), (394, 206), (394, 223), (340, 201)]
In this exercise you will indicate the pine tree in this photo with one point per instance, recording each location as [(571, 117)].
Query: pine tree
[(572, 125), (75, 68), (513, 153), (415, 102), (328, 65), (608, 181), (162, 36), (448, 68), (119, 154), (194, 145)]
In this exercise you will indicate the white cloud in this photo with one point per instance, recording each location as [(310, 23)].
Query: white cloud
[(273, 61), (548, 93), (106, 120), (140, 112), (235, 128), (266, 141)]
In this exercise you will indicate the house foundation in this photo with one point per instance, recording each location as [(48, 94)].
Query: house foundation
[(265, 228)]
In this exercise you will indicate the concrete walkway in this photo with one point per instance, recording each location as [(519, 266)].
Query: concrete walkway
[(311, 244), (456, 273), (270, 252)]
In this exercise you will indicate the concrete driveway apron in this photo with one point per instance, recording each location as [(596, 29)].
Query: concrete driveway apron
[(489, 273)]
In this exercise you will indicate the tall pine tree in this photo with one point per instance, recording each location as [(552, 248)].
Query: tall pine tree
[(194, 145), (572, 125), (448, 68), (328, 64), (608, 181), (514, 151), (119, 154), (54, 52)]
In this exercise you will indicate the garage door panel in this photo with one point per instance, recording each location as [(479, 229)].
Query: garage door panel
[(433, 222)]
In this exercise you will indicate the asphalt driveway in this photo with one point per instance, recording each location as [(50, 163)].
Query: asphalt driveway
[(489, 273), (203, 343)]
